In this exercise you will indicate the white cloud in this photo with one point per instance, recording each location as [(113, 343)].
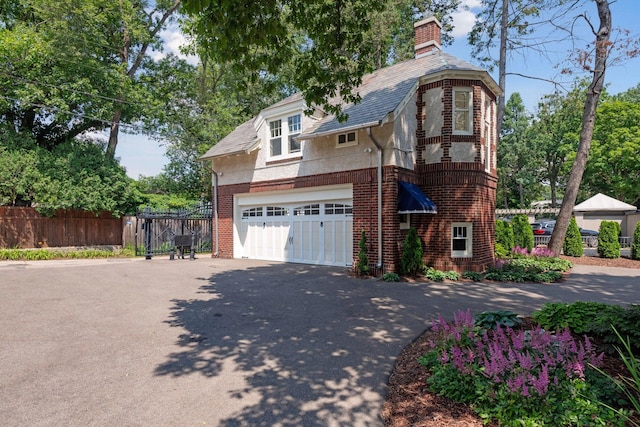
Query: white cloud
[(173, 40), (464, 17)]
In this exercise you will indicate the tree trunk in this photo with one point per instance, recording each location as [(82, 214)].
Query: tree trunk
[(502, 65), (586, 133), (113, 133)]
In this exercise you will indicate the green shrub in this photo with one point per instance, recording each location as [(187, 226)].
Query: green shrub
[(504, 238), (518, 377), (635, 246), (573, 240), (491, 319), (608, 242), (363, 258), (411, 259), (597, 320), (629, 385), (522, 232), (538, 269), (391, 277), (473, 275), (577, 316), (433, 274)]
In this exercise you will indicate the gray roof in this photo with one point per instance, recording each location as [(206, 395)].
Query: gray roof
[(381, 91), (241, 140), (601, 202)]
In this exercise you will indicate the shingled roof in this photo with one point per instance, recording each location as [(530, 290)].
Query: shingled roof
[(381, 91)]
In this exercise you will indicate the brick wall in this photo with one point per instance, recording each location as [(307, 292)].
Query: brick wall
[(463, 192)]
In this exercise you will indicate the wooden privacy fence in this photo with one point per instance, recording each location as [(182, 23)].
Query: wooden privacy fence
[(22, 227)]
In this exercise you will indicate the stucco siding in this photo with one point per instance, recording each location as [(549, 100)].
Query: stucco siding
[(433, 118), (405, 127), (318, 156)]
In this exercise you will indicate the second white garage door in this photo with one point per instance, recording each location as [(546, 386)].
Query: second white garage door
[(311, 231)]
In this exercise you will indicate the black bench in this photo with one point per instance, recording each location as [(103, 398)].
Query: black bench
[(184, 242)]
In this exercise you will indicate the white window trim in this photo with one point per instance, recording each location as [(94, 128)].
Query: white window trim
[(470, 109), (468, 253), (284, 137), (349, 143)]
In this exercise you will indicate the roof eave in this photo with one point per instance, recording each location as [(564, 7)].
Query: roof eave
[(315, 135)]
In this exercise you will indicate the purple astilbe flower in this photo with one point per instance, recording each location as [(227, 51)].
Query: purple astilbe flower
[(542, 251), (541, 384), (463, 319), (517, 250)]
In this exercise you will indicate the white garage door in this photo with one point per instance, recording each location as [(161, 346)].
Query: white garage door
[(311, 232)]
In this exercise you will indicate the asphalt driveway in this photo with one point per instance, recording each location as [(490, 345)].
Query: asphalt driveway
[(227, 342)]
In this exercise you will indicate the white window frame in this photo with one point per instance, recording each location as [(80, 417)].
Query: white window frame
[(487, 137), (345, 136), (462, 231), (467, 108), (290, 127)]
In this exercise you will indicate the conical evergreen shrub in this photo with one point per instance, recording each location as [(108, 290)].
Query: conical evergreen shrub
[(411, 259), (608, 243), (504, 238), (522, 232), (635, 246), (573, 240), (363, 258)]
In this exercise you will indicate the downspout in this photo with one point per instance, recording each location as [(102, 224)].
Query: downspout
[(379, 148), (215, 210)]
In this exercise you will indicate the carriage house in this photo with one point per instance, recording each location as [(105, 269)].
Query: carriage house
[(419, 151)]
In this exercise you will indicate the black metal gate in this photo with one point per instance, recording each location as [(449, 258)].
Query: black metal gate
[(173, 231)]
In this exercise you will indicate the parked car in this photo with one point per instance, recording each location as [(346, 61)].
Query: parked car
[(543, 228)]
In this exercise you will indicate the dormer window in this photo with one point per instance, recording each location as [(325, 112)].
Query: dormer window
[(347, 139), (285, 129), (462, 111)]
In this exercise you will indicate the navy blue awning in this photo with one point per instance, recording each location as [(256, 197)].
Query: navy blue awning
[(412, 200)]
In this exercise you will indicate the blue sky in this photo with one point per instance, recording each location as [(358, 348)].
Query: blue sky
[(143, 156)]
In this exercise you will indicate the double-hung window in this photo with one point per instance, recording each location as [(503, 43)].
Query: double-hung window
[(275, 143), (462, 111), (461, 239), (283, 133)]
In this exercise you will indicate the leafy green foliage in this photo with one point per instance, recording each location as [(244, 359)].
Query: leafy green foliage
[(71, 67), (528, 269), (608, 242), (363, 258), (522, 232), (411, 259), (504, 238), (391, 277), (493, 319), (517, 377), (594, 319), (573, 240), (47, 254), (629, 385), (615, 152), (577, 316), (439, 276), (519, 159), (473, 275), (73, 175), (635, 246)]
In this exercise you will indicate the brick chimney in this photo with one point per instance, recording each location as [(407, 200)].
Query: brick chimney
[(427, 35)]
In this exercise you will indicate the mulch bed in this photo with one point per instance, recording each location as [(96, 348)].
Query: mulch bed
[(409, 404)]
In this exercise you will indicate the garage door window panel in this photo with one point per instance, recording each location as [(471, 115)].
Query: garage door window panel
[(307, 210)]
